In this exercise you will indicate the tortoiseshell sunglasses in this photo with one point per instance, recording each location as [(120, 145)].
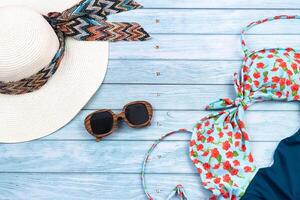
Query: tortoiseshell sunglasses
[(104, 122)]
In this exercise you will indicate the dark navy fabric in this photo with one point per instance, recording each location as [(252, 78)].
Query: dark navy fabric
[(281, 181)]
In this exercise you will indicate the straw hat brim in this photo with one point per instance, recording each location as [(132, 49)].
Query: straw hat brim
[(81, 72)]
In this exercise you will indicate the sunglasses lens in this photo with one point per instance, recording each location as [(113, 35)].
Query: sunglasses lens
[(137, 114), (102, 123)]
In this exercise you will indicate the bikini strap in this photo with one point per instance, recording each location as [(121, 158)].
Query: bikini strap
[(178, 190), (279, 17)]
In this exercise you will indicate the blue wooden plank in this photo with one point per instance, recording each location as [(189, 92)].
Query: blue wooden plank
[(172, 97), (200, 47), (68, 186), (211, 21), (171, 72), (108, 156), (280, 127)]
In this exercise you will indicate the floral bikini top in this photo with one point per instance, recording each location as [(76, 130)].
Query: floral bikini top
[(220, 147)]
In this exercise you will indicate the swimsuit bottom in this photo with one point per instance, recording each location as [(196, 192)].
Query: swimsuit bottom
[(281, 181)]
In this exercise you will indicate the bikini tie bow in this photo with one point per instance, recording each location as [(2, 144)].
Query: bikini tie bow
[(241, 101)]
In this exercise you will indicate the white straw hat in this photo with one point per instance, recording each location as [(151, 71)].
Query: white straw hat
[(28, 43)]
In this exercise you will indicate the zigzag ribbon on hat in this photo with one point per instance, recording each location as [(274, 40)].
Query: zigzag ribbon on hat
[(98, 8), (107, 31), (85, 21)]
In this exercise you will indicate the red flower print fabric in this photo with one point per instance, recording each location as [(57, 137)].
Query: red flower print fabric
[(219, 147)]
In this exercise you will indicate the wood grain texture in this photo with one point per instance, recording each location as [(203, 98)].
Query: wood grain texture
[(281, 124), (201, 47), (171, 72), (108, 156), (94, 186), (211, 21), (172, 97)]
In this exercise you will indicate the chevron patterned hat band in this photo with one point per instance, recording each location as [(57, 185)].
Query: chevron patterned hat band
[(85, 21)]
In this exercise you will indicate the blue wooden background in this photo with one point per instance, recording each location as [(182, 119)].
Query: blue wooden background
[(189, 62)]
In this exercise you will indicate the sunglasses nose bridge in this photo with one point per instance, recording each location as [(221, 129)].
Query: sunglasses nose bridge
[(120, 116)]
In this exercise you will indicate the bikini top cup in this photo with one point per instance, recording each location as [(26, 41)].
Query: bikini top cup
[(219, 146)]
